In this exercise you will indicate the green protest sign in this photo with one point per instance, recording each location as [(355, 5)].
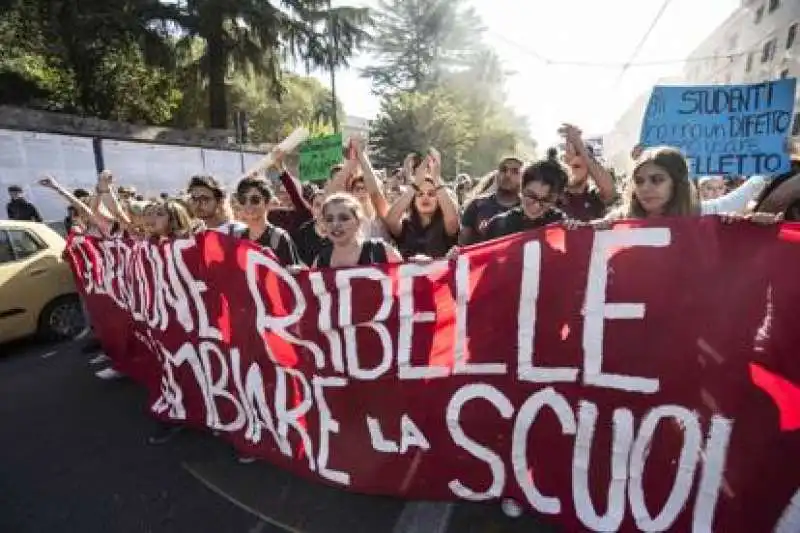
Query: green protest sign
[(318, 155)]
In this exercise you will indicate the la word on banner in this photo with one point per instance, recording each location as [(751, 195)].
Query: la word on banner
[(645, 378), (724, 129)]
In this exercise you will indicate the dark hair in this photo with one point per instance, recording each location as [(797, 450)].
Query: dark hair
[(14, 188), (335, 169), (259, 184), (208, 182), (80, 193), (506, 160), (549, 172), (352, 184), (309, 191), (684, 201), (552, 153)]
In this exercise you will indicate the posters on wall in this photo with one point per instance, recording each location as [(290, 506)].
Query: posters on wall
[(26, 156)]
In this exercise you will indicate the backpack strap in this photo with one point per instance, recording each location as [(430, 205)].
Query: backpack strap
[(274, 238)]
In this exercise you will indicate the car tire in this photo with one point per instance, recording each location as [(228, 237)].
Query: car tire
[(62, 318)]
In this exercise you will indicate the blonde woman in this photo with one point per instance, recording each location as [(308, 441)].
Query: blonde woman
[(343, 219)]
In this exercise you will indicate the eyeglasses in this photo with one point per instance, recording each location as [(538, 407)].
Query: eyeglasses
[(655, 179), (543, 200), (252, 200), (201, 199), (430, 194), (510, 170)]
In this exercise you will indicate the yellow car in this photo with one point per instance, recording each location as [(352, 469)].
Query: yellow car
[(37, 289)]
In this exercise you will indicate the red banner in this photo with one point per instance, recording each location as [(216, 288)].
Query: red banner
[(645, 378)]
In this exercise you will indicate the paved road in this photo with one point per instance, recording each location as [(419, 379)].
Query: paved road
[(74, 457)]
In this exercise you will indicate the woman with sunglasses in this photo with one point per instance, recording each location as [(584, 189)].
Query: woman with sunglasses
[(343, 218), (424, 220), (543, 183), (255, 198)]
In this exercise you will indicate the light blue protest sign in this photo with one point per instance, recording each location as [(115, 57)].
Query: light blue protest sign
[(723, 129)]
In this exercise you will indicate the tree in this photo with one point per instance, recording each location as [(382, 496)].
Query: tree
[(417, 41), (93, 57), (306, 102), (416, 122), (258, 36)]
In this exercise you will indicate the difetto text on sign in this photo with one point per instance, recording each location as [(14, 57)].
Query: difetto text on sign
[(639, 379)]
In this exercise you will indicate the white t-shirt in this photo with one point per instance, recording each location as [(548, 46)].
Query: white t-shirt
[(375, 229), (735, 201), (231, 228)]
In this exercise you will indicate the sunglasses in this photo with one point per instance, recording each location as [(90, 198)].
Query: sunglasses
[(510, 170), (251, 200)]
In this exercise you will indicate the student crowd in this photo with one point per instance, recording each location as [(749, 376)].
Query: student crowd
[(359, 217)]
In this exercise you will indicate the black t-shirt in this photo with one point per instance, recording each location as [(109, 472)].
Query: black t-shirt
[(373, 252), (278, 240), (309, 242), (478, 213), (584, 206), (21, 209), (515, 221), (431, 240)]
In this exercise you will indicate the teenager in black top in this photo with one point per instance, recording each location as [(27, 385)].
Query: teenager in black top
[(424, 220), (542, 184), (255, 196), (310, 237), (343, 218)]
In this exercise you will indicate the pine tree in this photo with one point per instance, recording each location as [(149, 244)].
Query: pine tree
[(417, 41)]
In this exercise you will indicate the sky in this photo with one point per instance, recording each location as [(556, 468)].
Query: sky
[(547, 94)]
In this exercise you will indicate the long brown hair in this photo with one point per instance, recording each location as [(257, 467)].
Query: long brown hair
[(684, 201)]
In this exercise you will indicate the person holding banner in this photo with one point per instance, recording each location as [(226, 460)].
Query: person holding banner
[(255, 197), (208, 202), (505, 196), (661, 187), (543, 183), (343, 217), (424, 220)]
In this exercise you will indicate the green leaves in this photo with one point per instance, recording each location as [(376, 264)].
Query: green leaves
[(441, 86)]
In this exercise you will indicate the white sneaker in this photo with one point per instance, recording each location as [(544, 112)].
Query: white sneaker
[(109, 373), (101, 358)]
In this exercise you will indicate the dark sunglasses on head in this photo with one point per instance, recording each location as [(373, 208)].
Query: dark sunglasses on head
[(244, 199)]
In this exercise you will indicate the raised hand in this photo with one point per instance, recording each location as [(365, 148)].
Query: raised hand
[(48, 182)]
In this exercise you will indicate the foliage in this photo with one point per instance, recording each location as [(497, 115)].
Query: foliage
[(416, 41), (306, 102), (257, 37), (416, 122), (90, 57), (433, 64)]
